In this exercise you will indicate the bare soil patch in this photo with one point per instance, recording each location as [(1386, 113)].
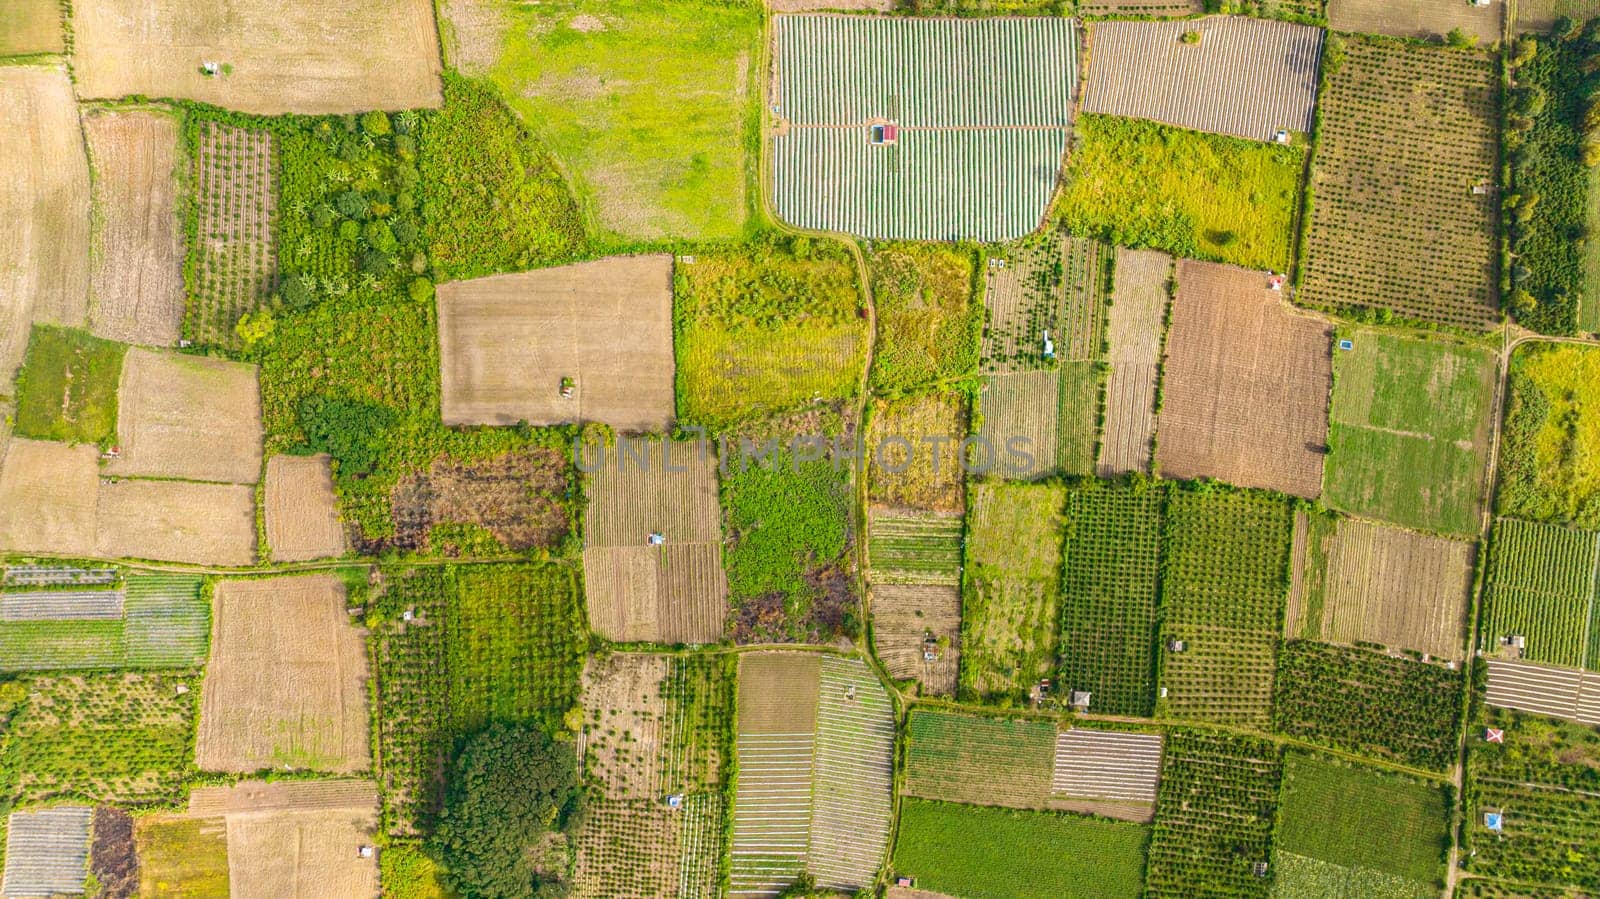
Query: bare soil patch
[(188, 417), (284, 57), (507, 341), (44, 211), (113, 857), (1138, 308), (286, 683), (1422, 19), (301, 854), (31, 26), (517, 497), (302, 513), (676, 592), (1247, 382), (905, 618), (176, 521), (48, 497), (136, 287), (248, 796)]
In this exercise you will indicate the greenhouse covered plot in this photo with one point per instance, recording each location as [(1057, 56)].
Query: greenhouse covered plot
[(1246, 77), (930, 129), (47, 852)]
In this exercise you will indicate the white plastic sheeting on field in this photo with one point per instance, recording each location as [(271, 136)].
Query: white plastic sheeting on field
[(47, 851)]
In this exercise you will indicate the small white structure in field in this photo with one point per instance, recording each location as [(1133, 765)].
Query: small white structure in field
[(675, 801), (1281, 136), (1276, 282), (1080, 700), (657, 539), (364, 852), (1049, 345)]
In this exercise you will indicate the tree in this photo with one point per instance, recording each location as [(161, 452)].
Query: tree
[(354, 434), (254, 327), (507, 787), (1526, 49), (353, 204), (1461, 40), (375, 123), (296, 291)]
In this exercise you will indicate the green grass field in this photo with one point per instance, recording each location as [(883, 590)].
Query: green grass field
[(929, 320), (1009, 623), (967, 850), (67, 389), (766, 328), (1203, 196), (649, 104), (1409, 431), (1357, 817), (1550, 448)]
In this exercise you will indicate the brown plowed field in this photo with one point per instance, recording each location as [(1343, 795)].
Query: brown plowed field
[(177, 521), (903, 615), (302, 513), (1138, 307), (282, 854), (296, 56), (48, 494), (1385, 585), (248, 796), (286, 682), (506, 342), (136, 288), (673, 593), (190, 417), (778, 692), (1420, 19), (44, 211), (1246, 384)]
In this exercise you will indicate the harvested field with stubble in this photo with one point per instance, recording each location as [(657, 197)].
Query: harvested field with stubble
[(1245, 398), (904, 618), (136, 292), (1361, 247), (777, 735), (507, 341), (236, 210), (44, 210), (673, 593), (191, 417), (302, 514), (1245, 77), (176, 521), (1427, 20), (297, 839), (1138, 310), (48, 495), (286, 683), (912, 475), (31, 26), (1361, 582), (287, 57)]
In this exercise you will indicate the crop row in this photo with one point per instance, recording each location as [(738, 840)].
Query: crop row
[(915, 550), (1214, 815), (853, 794), (1542, 588), (967, 758)]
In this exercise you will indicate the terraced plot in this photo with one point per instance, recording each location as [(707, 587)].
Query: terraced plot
[(1138, 311), (1244, 77), (854, 764), (981, 109), (776, 743), (1361, 248), (47, 851), (1542, 582)]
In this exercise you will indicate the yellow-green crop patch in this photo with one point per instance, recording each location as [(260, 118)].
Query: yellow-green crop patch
[(1550, 448), (928, 322), (1008, 621), (68, 386)]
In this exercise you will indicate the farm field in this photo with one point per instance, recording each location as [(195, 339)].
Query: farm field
[(1214, 814), (673, 593), (235, 182), (1134, 183), (915, 548), (136, 292), (1541, 15), (1152, 8), (979, 141), (508, 341), (958, 757), (267, 634), (1010, 602), (1224, 575), (1417, 19), (34, 26), (282, 59), (1556, 692), (1133, 336), (904, 618), (48, 494), (1051, 416), (44, 272), (153, 621), (1050, 282), (181, 416), (1410, 430), (1244, 397), (181, 854), (1541, 587), (853, 794), (650, 106), (176, 521), (925, 471), (654, 726), (929, 321), (301, 511), (970, 850), (486, 642), (294, 839), (777, 737), (1369, 583), (123, 738), (47, 851), (1244, 77), (1387, 831), (513, 502), (1110, 576), (68, 386), (765, 330), (1106, 772), (1361, 248), (1358, 700), (1547, 452)]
